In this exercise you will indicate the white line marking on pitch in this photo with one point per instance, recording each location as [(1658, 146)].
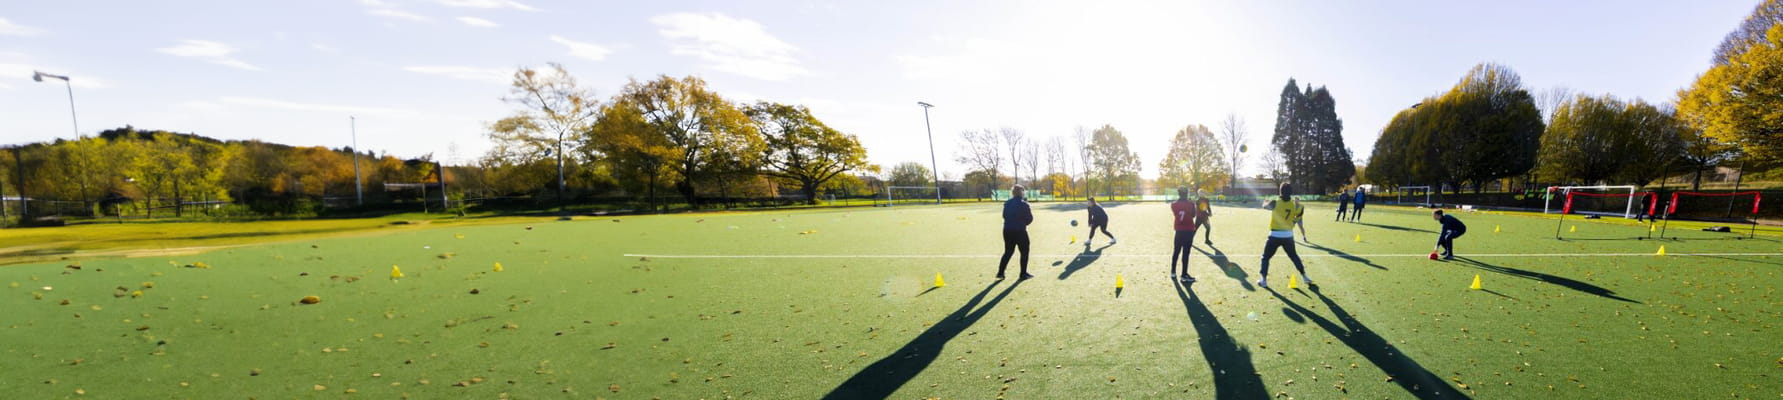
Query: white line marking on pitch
[(1167, 255)]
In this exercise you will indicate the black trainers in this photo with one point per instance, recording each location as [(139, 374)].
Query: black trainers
[(999, 277), (1026, 276)]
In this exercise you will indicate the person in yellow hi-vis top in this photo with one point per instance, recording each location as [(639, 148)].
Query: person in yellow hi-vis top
[(1285, 213)]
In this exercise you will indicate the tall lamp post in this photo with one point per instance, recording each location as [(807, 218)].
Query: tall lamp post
[(358, 184), (39, 75), (934, 168)]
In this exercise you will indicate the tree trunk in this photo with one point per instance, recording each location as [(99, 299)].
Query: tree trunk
[(652, 191), (179, 207), (685, 186), (809, 187), (1697, 182)]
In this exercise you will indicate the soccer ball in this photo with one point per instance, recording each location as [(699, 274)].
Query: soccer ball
[(1074, 222)]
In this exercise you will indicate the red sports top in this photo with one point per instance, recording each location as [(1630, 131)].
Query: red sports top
[(1184, 214)]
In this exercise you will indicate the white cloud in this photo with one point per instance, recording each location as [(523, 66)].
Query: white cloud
[(15, 73), (209, 51), (589, 51), (398, 14), (293, 106), (478, 22), (488, 4), (488, 75), (9, 28), (733, 45), (325, 48)]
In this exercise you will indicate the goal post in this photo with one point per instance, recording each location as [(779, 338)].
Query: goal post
[(912, 195), (1407, 189), (1575, 200), (1671, 207), (1564, 192)]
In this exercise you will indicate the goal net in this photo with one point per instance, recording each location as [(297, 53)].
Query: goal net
[(1627, 205), (1733, 207), (1412, 192), (902, 195), (1593, 200)]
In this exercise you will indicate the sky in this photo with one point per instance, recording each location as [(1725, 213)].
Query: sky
[(425, 77)]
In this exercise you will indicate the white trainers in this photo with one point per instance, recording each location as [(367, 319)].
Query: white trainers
[(1264, 283), (1305, 279), (1111, 242), (1173, 275)]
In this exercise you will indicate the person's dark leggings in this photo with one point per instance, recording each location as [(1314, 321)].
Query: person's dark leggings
[(1202, 225), (1342, 211), (1287, 245), (1013, 239), (1185, 244), (1357, 216), (1447, 241), (1104, 227)]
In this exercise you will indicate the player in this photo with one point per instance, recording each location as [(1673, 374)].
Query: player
[(1098, 219), (1285, 212), (1361, 200), (1185, 215), (1451, 228), (1201, 220), (1016, 217), (1343, 204)]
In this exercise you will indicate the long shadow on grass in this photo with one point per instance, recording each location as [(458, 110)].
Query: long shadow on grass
[(1396, 228), (1082, 260), (880, 379), (1402, 369), (1346, 256), (1226, 265), (1556, 280), (1234, 376)]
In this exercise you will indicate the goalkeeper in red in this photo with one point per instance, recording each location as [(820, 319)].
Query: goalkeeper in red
[(1451, 228)]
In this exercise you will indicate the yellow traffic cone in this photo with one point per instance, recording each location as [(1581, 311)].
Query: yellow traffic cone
[(497, 267), (1358, 237), (1293, 282), (1661, 251), (1118, 282), (1476, 282), (1575, 228), (1652, 228), (938, 282), (1073, 239), (1495, 229), (395, 272)]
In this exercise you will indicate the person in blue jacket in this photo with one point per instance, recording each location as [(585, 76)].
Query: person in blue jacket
[(1016, 217), (1361, 200), (1451, 228)]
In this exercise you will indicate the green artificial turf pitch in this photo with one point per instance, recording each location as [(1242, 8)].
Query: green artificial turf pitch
[(840, 303)]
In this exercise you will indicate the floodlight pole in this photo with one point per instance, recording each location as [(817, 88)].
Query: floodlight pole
[(934, 167), (39, 75), (358, 182)]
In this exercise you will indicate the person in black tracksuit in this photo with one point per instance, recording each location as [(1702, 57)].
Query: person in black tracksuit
[(1098, 220), (1016, 217), (1343, 204), (1451, 228)]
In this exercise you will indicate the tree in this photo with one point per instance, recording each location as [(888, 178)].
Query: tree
[(1014, 138), (1486, 127), (1083, 137), (1586, 142), (1031, 152), (979, 150), (680, 126), (552, 106), (1699, 152), (1195, 160), (911, 174), (1751, 33), (1741, 101), (1109, 156), (802, 149), (1309, 136), (1274, 166), (1056, 160), (1235, 135)]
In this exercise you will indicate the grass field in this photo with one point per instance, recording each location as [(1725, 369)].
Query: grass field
[(840, 303)]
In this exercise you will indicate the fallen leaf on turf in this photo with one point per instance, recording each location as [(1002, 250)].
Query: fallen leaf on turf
[(609, 346), (614, 388), (321, 388)]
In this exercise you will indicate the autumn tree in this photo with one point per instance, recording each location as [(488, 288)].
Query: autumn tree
[(802, 149), (1739, 100), (911, 174), (1110, 158), (681, 126), (980, 151), (1194, 159), (553, 108)]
